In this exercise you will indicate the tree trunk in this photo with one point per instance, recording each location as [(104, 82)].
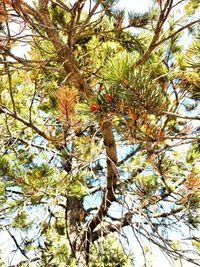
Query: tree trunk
[(74, 231)]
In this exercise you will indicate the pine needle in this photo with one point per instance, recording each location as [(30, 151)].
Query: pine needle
[(66, 98)]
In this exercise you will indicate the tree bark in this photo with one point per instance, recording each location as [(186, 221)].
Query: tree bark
[(74, 235)]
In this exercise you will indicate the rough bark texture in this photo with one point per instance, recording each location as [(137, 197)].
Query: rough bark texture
[(74, 212), (64, 52)]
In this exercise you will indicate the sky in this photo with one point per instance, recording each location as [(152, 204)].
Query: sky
[(136, 5), (158, 259)]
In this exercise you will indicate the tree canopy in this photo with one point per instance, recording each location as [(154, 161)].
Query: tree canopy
[(99, 132)]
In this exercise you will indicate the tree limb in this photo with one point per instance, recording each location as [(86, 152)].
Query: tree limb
[(25, 122), (186, 117)]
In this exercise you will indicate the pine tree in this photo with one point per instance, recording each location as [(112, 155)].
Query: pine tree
[(99, 132)]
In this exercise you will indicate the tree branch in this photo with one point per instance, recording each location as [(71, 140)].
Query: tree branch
[(128, 156), (186, 117), (178, 31), (162, 18), (65, 54), (16, 244), (111, 153), (166, 214), (25, 122)]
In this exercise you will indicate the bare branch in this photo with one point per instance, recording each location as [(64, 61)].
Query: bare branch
[(186, 117)]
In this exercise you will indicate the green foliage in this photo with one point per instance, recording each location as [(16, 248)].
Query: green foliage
[(132, 42), (109, 252), (56, 250), (196, 244), (58, 15), (193, 202), (75, 184), (20, 221), (146, 185), (193, 153), (108, 6), (134, 86), (193, 219), (117, 69), (138, 20), (192, 6)]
